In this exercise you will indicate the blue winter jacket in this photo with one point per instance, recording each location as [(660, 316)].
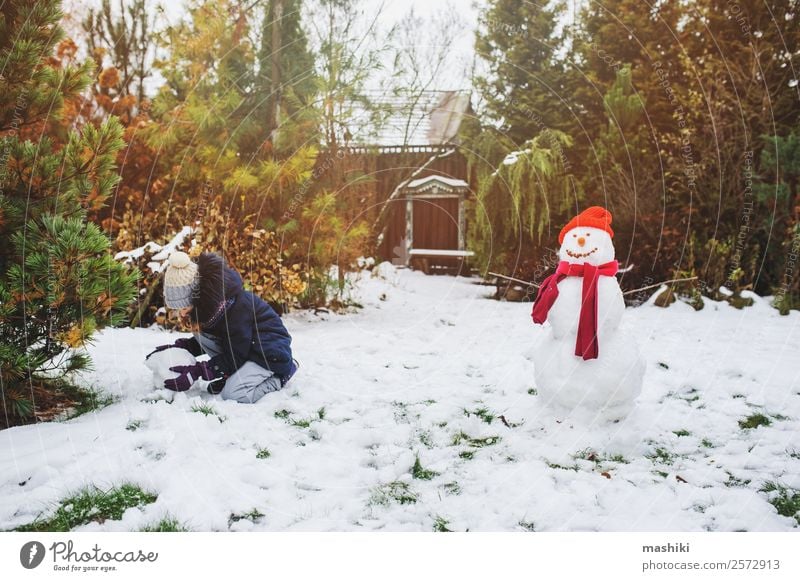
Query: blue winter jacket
[(246, 326)]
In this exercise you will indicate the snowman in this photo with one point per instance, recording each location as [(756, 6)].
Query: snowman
[(584, 364)]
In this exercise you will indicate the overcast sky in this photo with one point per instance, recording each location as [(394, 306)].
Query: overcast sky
[(454, 77)]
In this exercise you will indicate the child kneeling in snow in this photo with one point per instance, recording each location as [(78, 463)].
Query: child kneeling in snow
[(249, 346)]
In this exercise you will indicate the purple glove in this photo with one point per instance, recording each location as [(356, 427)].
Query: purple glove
[(189, 374), (182, 343)]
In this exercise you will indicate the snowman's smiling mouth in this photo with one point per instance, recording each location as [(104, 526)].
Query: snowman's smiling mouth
[(581, 255)]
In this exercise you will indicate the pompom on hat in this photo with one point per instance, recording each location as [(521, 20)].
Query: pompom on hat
[(180, 281), (594, 217)]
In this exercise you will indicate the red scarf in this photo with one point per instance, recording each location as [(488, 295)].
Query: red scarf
[(586, 343)]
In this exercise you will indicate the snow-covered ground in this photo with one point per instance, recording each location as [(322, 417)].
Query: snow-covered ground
[(432, 369)]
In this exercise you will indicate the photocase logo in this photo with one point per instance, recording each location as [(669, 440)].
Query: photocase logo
[(31, 554)]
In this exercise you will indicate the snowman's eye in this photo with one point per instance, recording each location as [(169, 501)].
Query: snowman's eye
[(574, 235), (588, 233)]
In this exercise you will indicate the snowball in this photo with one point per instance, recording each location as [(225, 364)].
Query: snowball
[(160, 363)]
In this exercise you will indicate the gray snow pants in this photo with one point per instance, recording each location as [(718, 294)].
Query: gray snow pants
[(249, 383)]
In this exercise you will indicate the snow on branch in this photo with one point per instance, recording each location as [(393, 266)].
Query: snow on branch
[(160, 253)]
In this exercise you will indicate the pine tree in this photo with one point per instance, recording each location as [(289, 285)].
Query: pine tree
[(58, 283), (622, 148), (525, 89), (743, 109), (285, 85), (211, 117), (30, 89)]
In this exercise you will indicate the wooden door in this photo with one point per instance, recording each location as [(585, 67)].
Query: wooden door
[(436, 223)]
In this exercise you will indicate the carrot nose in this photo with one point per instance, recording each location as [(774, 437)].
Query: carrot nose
[(581, 241)]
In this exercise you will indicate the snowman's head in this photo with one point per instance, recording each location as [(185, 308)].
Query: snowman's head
[(587, 244), (587, 238)]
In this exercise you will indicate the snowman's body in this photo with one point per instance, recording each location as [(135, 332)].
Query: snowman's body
[(603, 388)]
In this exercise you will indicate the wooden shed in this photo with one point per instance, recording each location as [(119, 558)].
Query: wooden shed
[(418, 182), (435, 220)]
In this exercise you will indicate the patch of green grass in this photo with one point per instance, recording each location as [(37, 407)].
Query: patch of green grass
[(589, 455), (660, 473), (754, 421), (425, 438), (482, 413), (734, 482), (793, 453), (691, 396), (556, 466), (452, 488), (738, 396), (682, 433), (440, 525), (134, 425), (533, 391), (663, 365), (662, 456), (402, 411), (464, 438), (204, 408), (592, 456), (263, 453), (475, 442), (706, 443), (786, 500), (459, 437), (207, 410), (482, 442), (253, 515), (168, 524), (286, 415), (420, 473), (396, 491), (529, 526), (91, 505)]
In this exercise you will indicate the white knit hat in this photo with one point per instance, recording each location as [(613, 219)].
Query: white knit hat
[(180, 281)]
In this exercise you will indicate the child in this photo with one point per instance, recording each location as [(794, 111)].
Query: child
[(250, 348)]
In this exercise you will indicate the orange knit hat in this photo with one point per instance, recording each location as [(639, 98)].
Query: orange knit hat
[(594, 217)]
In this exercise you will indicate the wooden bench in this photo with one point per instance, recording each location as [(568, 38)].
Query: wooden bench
[(425, 258)]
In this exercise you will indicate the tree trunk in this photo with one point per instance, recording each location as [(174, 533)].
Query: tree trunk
[(275, 69)]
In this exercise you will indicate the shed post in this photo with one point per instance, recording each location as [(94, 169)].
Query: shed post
[(409, 228), (461, 222)]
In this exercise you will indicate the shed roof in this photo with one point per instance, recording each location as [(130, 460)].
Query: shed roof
[(432, 119), (436, 182)]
